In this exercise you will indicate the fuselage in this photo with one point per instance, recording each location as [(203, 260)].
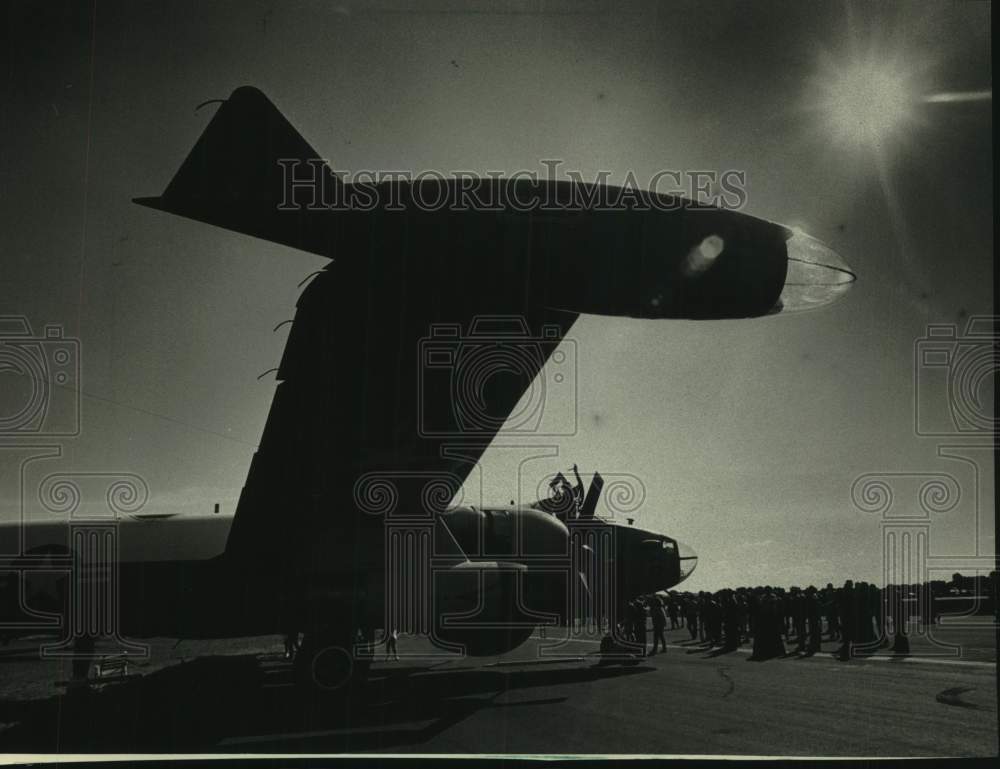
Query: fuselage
[(171, 578)]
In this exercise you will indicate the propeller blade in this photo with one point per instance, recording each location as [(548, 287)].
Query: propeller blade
[(593, 495)]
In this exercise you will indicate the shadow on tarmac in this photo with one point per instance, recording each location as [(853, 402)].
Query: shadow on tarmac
[(237, 704)]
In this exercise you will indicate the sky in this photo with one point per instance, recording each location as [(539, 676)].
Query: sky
[(746, 436)]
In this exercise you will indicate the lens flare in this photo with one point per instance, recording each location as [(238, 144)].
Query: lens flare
[(703, 255), (958, 97)]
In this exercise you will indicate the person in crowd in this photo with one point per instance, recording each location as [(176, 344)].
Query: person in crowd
[(293, 621), (628, 621), (830, 610), (291, 644), (934, 610), (672, 613), (639, 626), (814, 621), (702, 616), (769, 627), (390, 645), (865, 638), (714, 616), (742, 601), (731, 622), (862, 616), (691, 616), (797, 608), (848, 619), (877, 608), (897, 618), (753, 610), (659, 618)]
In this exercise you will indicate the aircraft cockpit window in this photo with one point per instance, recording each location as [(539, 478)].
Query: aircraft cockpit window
[(816, 274), (688, 559)]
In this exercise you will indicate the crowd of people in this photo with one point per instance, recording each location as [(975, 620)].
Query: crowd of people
[(862, 617)]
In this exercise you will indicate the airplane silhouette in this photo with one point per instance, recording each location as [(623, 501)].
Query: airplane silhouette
[(407, 355)]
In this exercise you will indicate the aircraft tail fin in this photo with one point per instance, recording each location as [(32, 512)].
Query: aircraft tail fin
[(238, 176), (593, 495)]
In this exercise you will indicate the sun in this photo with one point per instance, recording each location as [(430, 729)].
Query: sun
[(867, 102)]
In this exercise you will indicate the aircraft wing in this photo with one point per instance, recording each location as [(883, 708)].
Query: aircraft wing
[(377, 417)]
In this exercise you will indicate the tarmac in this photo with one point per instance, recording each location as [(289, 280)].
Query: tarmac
[(548, 697)]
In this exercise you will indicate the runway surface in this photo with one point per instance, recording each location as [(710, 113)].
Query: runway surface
[(544, 698)]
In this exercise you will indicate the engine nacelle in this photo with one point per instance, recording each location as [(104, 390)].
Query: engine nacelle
[(480, 606)]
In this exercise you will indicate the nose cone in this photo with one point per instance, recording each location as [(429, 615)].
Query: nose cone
[(688, 559), (816, 275)]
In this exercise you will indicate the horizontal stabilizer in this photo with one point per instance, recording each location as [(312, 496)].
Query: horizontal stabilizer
[(239, 176)]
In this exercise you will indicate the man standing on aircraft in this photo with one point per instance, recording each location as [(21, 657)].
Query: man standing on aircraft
[(578, 492), (567, 503)]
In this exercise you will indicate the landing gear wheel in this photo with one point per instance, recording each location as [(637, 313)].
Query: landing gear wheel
[(327, 664)]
